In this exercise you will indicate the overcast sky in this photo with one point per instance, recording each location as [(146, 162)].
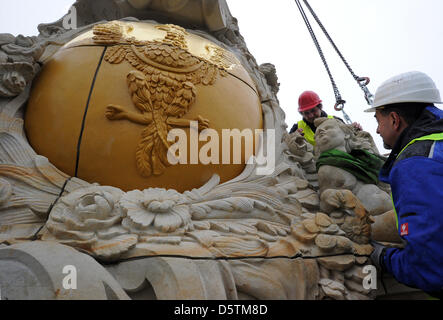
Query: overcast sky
[(379, 38)]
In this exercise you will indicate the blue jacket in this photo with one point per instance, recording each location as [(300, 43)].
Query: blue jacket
[(415, 174)]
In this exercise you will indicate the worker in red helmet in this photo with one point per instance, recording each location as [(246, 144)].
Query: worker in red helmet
[(310, 107)]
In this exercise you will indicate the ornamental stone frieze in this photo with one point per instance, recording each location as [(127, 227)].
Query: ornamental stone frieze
[(86, 178)]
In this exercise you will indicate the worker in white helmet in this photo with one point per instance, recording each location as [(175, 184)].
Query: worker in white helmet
[(412, 127)]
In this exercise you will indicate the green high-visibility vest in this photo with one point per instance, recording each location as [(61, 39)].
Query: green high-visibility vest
[(432, 137), (308, 133)]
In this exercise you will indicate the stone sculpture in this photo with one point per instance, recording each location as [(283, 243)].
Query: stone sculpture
[(251, 237), (335, 135), (357, 173)]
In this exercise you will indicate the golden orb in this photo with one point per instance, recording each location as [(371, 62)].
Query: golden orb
[(102, 107)]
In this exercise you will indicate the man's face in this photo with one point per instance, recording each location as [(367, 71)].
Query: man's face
[(312, 114), (386, 129)]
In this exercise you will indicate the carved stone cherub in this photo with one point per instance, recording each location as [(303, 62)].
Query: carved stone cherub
[(337, 171), (18, 63), (350, 160)]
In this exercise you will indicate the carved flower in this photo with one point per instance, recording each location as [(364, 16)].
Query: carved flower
[(90, 219), (95, 205), (358, 229), (166, 210), (89, 210)]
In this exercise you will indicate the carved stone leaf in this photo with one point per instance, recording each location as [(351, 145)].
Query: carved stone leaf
[(310, 226), (239, 247), (202, 225), (162, 240), (113, 248), (93, 224), (204, 237), (343, 243), (308, 198), (333, 289), (248, 227), (267, 237), (272, 229), (140, 217), (237, 229), (323, 220), (220, 226), (357, 287), (111, 232), (300, 234), (167, 222), (183, 212), (338, 263), (243, 204), (355, 274), (332, 229), (199, 211), (5, 191), (224, 205), (59, 231), (363, 250), (325, 242)]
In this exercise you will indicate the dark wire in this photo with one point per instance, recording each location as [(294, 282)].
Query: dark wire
[(320, 51), (34, 237), (297, 256)]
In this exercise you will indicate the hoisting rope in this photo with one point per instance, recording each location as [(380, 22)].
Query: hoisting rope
[(362, 81)]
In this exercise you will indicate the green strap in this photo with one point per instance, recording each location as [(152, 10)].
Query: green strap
[(432, 137), (360, 163)]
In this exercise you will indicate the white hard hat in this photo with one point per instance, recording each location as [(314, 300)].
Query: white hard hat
[(411, 86)]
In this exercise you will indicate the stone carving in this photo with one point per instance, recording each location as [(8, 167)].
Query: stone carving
[(268, 69), (33, 271), (281, 236), (163, 89), (202, 14), (89, 219), (333, 134), (18, 57)]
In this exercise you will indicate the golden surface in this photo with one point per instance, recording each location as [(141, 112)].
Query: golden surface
[(110, 147)]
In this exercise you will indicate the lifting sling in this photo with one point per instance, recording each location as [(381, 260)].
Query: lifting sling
[(362, 81)]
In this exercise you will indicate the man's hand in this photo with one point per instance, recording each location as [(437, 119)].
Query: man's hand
[(357, 126), (300, 130), (378, 254)]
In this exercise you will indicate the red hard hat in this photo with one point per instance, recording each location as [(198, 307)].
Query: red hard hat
[(308, 100)]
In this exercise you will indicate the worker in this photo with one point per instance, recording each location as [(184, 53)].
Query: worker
[(412, 127), (310, 107)]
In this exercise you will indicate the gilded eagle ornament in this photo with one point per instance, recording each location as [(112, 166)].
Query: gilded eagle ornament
[(162, 86)]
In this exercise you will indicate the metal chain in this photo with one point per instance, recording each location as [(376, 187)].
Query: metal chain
[(362, 81), (330, 39), (338, 98)]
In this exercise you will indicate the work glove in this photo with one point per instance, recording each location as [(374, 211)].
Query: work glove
[(377, 256)]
